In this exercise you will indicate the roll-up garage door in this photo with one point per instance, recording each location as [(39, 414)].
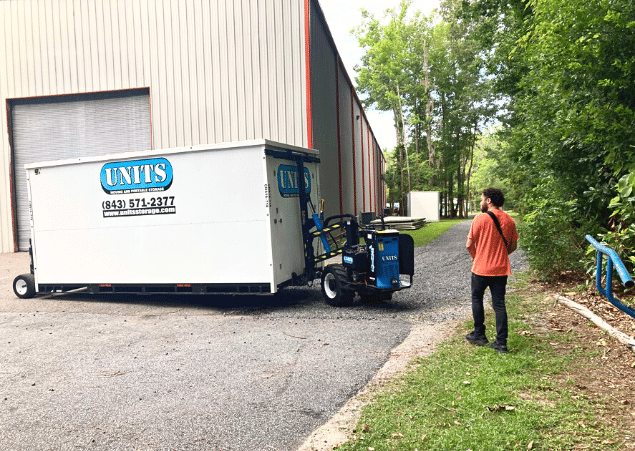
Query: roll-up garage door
[(62, 127)]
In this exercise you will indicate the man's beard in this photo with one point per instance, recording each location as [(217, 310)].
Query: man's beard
[(484, 208)]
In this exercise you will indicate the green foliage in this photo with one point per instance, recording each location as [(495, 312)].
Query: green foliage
[(621, 235), (551, 243), (428, 73), (387, 75), (559, 77), (571, 127), (492, 169)]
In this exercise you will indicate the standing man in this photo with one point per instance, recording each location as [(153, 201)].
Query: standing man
[(491, 239)]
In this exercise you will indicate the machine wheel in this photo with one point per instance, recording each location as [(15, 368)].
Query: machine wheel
[(24, 286), (335, 286)]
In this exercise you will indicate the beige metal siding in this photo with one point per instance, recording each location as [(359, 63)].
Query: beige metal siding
[(358, 167), (218, 70), (347, 146), (346, 143), (324, 112)]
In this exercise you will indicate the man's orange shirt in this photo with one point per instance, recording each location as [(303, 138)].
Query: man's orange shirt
[(491, 258)]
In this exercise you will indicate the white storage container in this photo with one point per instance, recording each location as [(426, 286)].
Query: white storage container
[(205, 219)]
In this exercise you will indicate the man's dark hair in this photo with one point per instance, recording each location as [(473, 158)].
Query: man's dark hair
[(495, 195)]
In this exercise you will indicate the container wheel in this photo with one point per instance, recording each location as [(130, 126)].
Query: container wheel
[(24, 286), (335, 286)]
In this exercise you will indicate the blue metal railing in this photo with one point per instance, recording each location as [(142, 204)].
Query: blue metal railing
[(613, 261)]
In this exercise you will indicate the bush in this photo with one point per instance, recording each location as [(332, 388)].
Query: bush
[(551, 242), (621, 234)]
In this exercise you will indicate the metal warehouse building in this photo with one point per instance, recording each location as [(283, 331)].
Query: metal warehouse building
[(94, 77)]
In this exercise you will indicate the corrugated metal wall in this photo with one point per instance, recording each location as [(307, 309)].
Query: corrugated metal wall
[(345, 140), (358, 160), (324, 90), (346, 144), (218, 70)]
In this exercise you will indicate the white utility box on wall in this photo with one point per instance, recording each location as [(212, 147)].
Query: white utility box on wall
[(424, 204), (213, 218)]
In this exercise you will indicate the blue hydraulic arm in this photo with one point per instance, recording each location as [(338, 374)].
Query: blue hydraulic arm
[(612, 261), (319, 226)]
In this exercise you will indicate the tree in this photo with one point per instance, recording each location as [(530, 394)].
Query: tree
[(571, 124), (464, 103), (433, 76), (384, 76)]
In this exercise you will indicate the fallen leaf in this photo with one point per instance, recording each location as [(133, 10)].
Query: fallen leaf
[(531, 445), (466, 382), (498, 408), (397, 435)]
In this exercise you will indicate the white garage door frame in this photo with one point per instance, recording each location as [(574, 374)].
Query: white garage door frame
[(71, 126)]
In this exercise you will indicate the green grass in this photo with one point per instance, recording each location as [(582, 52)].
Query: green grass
[(471, 398), (432, 231)]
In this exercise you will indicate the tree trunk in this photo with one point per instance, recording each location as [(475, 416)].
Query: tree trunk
[(469, 171), (429, 105), (402, 140), (459, 189), (399, 159), (450, 182)]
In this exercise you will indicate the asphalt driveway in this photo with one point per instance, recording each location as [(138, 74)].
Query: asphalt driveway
[(214, 373)]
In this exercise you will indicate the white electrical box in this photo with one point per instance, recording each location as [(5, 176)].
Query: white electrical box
[(424, 204), (211, 218)]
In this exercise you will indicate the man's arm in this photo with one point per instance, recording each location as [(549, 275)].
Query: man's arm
[(471, 248), (470, 245)]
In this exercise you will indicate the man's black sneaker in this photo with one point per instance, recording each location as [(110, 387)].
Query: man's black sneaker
[(500, 347), (477, 339)]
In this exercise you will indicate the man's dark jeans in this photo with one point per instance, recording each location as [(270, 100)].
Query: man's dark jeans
[(497, 287)]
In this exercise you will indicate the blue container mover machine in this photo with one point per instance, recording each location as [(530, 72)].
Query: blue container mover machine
[(226, 218)]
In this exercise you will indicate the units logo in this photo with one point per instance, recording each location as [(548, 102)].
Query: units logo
[(139, 176), (288, 182)]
